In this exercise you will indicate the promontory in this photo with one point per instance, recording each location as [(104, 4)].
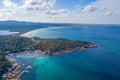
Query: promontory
[(18, 44)]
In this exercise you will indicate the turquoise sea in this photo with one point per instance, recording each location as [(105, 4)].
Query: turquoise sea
[(102, 63)]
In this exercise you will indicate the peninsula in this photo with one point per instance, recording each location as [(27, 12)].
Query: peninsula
[(18, 44)]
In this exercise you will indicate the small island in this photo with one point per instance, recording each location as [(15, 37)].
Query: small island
[(18, 44)]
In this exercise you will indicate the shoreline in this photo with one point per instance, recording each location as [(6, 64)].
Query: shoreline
[(26, 33), (13, 72), (15, 75)]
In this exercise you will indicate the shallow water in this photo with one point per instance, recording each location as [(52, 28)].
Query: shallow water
[(102, 63), (7, 32)]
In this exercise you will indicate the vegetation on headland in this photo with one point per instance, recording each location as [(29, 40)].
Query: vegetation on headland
[(4, 64), (17, 44)]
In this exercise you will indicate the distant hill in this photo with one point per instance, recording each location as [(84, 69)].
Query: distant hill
[(11, 22), (22, 27)]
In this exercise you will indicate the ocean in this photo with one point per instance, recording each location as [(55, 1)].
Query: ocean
[(101, 63)]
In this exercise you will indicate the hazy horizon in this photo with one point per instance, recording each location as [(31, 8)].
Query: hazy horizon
[(60, 22)]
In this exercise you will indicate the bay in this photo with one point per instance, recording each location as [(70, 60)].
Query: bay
[(102, 63)]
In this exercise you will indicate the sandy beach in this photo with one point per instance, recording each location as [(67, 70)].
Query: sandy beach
[(27, 33)]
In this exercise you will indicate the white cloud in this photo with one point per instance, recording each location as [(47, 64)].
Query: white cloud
[(89, 8), (11, 8), (9, 4), (38, 4), (30, 4), (6, 13), (101, 11), (56, 12), (108, 13)]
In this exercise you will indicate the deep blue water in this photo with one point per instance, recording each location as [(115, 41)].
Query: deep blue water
[(102, 63)]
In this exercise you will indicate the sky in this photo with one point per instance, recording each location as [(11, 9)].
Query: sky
[(61, 11)]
